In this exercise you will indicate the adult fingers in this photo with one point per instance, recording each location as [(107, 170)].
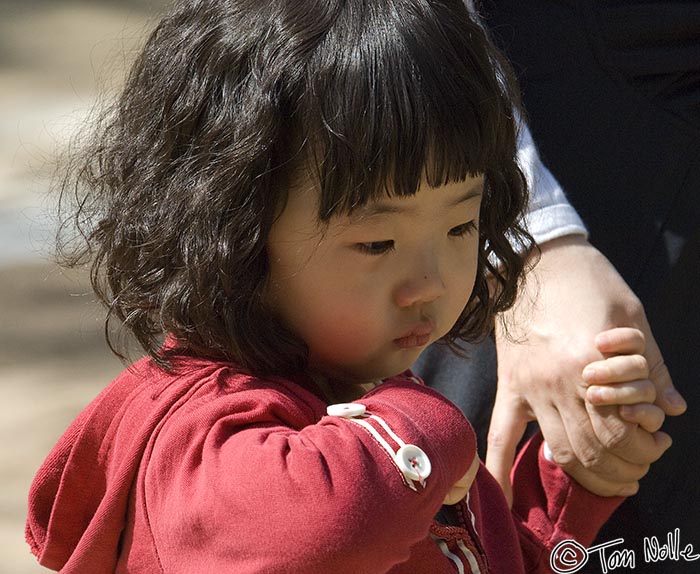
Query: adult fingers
[(623, 439), (508, 423), (595, 483), (600, 470), (570, 435), (649, 417), (667, 397)]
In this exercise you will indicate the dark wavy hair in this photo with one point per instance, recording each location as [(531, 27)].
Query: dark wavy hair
[(175, 193)]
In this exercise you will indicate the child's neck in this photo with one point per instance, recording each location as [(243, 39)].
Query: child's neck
[(342, 392)]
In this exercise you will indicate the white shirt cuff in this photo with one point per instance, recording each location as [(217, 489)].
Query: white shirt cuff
[(549, 213)]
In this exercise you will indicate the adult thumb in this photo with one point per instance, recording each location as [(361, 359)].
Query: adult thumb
[(668, 399), (508, 425)]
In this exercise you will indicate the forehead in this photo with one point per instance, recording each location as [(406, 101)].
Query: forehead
[(300, 216), (442, 198)]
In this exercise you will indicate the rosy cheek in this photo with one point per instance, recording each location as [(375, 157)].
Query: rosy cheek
[(346, 336)]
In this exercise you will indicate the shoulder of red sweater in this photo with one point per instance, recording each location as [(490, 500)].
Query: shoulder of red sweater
[(194, 378)]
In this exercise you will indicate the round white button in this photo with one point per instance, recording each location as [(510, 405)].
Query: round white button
[(346, 410), (547, 452), (413, 462)]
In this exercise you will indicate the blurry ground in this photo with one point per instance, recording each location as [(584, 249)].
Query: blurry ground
[(52, 356)]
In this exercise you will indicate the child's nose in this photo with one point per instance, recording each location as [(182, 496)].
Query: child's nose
[(423, 286)]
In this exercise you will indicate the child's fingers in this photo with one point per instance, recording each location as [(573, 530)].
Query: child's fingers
[(616, 370), (621, 340), (461, 487), (626, 393), (648, 416)]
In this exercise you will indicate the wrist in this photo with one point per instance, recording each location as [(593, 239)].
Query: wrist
[(567, 242)]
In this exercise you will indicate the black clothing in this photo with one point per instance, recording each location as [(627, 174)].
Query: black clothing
[(611, 90)]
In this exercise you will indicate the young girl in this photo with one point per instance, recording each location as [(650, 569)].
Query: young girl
[(288, 203)]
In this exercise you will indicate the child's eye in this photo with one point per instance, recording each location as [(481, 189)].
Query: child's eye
[(375, 247), (463, 229)]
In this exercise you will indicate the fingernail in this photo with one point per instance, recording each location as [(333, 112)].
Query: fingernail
[(674, 398)]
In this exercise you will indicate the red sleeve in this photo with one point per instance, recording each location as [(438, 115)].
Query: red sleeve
[(549, 507), (252, 482)]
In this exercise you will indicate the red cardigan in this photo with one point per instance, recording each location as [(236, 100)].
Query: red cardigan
[(213, 471)]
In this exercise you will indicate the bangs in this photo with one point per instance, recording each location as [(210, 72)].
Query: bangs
[(399, 93)]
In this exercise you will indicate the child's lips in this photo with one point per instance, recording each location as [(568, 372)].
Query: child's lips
[(416, 337)]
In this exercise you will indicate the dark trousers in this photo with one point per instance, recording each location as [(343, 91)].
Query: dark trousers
[(611, 90)]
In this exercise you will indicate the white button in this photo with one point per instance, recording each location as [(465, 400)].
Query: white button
[(547, 452), (346, 410), (413, 462)]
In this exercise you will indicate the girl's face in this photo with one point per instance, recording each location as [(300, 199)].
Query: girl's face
[(369, 291)]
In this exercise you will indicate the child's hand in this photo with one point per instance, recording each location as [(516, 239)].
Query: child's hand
[(620, 390), (622, 379), (462, 486)]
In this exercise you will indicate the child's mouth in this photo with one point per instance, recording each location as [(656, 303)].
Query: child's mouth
[(416, 337)]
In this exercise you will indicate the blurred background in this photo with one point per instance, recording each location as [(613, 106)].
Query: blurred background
[(56, 57)]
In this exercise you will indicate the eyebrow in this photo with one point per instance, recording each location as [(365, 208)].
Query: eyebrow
[(473, 192), (379, 208)]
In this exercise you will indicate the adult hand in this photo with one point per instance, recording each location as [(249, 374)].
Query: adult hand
[(620, 391), (571, 295)]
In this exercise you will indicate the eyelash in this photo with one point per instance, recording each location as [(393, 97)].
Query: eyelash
[(464, 229), (376, 247), (382, 247)]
